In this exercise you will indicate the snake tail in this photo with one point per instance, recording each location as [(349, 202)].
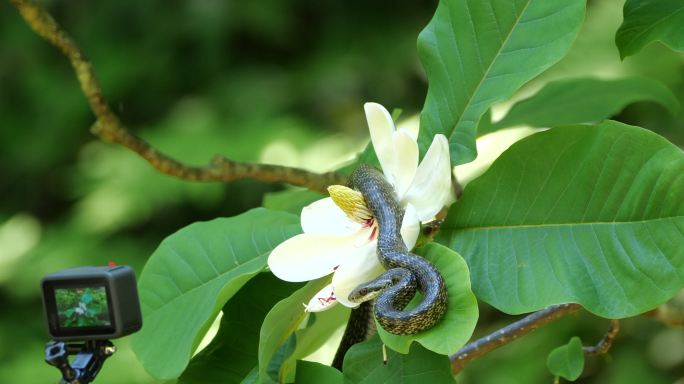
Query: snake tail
[(360, 327)]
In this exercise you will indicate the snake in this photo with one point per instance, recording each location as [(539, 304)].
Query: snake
[(406, 273)]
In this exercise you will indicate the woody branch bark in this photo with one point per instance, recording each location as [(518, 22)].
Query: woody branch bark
[(109, 128), (509, 333), (603, 346)]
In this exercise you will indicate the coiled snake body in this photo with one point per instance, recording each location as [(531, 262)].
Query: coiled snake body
[(406, 272)]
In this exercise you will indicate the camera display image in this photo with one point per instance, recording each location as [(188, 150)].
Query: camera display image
[(82, 307)]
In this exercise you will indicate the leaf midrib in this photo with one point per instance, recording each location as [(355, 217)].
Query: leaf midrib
[(489, 67), (553, 225)]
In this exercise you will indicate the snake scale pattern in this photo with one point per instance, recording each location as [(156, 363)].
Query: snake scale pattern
[(406, 272)]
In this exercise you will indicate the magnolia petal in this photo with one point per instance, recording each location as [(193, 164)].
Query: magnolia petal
[(411, 125), (324, 299), (405, 162), (324, 217), (410, 226), (381, 128), (307, 256), (431, 188), (361, 268)]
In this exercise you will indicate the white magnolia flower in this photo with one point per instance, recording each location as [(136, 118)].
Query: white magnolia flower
[(344, 243)]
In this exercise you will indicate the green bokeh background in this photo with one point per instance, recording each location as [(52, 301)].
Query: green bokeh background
[(279, 81)]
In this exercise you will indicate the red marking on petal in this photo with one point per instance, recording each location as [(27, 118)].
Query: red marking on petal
[(372, 235), (326, 300)]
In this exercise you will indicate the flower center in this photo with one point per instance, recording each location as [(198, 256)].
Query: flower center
[(351, 202)]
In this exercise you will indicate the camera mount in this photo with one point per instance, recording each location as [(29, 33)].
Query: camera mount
[(88, 360), (85, 307)]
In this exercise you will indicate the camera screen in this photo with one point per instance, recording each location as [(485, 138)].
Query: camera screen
[(82, 307)]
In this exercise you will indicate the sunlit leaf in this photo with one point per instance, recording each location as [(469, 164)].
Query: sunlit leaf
[(477, 52), (363, 364), (489, 148), (646, 21), (457, 326), (584, 100), (567, 361), (192, 274), (585, 214)]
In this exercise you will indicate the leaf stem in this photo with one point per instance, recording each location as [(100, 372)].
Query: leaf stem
[(109, 128), (509, 333)]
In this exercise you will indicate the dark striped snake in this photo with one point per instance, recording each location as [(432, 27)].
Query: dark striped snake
[(406, 272)]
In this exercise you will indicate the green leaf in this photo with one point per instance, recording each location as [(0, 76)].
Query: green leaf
[(253, 377), (232, 353), (279, 357), (192, 274), (314, 373), (282, 321), (586, 214), (86, 298), (363, 364), (315, 335), (478, 52), (585, 100), (567, 361), (646, 21), (455, 329)]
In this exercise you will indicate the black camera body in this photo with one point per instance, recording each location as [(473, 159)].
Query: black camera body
[(91, 303)]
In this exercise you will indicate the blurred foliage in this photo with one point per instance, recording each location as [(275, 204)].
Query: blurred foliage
[(269, 80), (273, 81)]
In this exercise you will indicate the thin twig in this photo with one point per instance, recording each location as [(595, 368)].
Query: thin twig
[(509, 333), (603, 346), (109, 128)]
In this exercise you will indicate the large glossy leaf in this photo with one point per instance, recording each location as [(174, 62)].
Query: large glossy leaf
[(477, 52), (282, 321), (585, 214), (315, 373), (584, 100), (307, 340), (192, 275), (567, 360), (232, 353), (646, 21), (457, 326), (363, 364)]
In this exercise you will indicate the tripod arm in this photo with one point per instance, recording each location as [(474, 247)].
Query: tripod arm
[(88, 360)]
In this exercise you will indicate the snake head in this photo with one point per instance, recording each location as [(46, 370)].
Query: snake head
[(362, 293)]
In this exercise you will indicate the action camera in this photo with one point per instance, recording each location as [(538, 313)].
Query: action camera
[(91, 303)]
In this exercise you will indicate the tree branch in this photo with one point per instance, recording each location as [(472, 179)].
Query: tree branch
[(109, 128), (603, 346), (509, 333)]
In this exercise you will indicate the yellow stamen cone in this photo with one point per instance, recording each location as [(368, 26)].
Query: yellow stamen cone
[(351, 202)]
